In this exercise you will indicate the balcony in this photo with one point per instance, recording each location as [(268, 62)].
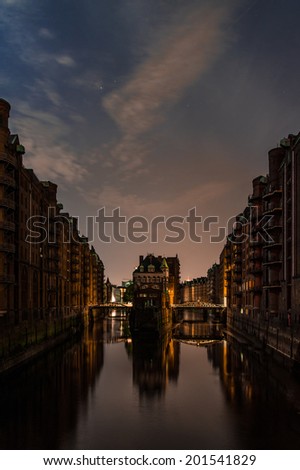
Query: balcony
[(272, 262), (7, 247), (272, 192), (9, 226), (273, 210), (274, 245), (276, 226), (7, 180), (273, 284), (11, 159), (8, 203)]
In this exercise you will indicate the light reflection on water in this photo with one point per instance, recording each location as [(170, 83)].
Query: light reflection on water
[(111, 392)]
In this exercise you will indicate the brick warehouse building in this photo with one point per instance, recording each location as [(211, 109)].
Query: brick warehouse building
[(261, 259), (260, 263), (47, 269)]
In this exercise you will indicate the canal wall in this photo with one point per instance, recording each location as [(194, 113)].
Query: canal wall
[(21, 344), (281, 342)]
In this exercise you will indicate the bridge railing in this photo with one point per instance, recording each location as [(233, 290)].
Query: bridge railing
[(112, 305), (198, 305)]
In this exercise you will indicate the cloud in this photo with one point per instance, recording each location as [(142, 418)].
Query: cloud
[(44, 88), (131, 204), (44, 136), (41, 60), (55, 163), (12, 2), (178, 56), (64, 60), (45, 33), (26, 43)]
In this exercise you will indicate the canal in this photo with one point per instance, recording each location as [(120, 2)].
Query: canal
[(107, 391)]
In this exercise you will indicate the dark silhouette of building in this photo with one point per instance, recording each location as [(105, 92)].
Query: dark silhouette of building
[(47, 269), (260, 263), (151, 283)]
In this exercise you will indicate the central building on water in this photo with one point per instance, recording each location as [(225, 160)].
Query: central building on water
[(151, 283), (156, 283)]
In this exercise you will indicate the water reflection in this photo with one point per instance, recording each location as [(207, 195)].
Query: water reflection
[(49, 394), (264, 395), (199, 332), (219, 395), (155, 363)]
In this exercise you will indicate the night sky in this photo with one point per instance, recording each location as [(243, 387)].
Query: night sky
[(151, 106)]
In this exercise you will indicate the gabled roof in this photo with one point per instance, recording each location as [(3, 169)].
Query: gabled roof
[(148, 261)]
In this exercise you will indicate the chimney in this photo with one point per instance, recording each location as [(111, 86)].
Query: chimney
[(4, 130)]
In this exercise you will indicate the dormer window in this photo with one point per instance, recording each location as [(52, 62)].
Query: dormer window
[(141, 268), (151, 268)]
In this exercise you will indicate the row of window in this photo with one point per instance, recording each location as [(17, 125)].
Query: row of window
[(149, 278)]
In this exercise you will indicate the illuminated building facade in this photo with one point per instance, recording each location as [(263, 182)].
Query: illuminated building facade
[(195, 290), (203, 289)]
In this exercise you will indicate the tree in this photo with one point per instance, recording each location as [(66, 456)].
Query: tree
[(128, 294)]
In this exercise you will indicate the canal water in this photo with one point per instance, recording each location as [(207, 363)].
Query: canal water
[(107, 391)]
